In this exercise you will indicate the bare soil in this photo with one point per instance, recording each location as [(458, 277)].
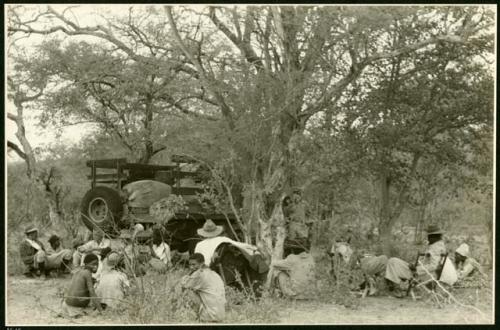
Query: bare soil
[(38, 301)]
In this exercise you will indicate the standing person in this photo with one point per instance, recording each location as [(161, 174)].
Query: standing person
[(399, 271), (466, 265), (57, 257), (160, 252), (33, 253), (81, 289), (297, 223), (113, 284), (206, 290)]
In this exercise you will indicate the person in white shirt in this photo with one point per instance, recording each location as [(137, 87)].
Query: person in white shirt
[(160, 252), (212, 239), (113, 284)]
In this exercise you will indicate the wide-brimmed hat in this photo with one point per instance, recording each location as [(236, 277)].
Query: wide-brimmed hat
[(210, 229), (433, 230), (31, 229), (463, 250)]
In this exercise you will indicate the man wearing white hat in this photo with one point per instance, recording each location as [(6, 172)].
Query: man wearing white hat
[(212, 239), (33, 253), (466, 265)]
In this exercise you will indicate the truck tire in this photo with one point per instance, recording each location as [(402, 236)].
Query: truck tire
[(102, 207)]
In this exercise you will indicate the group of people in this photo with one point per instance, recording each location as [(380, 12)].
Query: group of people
[(435, 264), (100, 274)]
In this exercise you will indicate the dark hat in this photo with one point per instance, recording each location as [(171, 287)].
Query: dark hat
[(433, 230), (90, 258), (210, 229)]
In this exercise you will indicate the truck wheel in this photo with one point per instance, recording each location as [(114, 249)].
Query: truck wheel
[(102, 207)]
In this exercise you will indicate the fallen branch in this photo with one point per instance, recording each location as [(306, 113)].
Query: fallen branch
[(455, 300)]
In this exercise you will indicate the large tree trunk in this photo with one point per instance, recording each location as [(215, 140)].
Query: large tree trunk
[(386, 220)]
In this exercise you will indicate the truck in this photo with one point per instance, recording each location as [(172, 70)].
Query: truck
[(105, 207)]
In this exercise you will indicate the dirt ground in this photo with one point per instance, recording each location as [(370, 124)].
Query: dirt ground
[(37, 302)]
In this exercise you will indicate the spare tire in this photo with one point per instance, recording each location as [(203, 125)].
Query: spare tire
[(102, 207)]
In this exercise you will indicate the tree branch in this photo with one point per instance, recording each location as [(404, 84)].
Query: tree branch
[(16, 148), (244, 46)]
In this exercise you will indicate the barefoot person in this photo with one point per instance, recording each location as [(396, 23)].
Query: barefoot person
[(81, 289), (205, 290)]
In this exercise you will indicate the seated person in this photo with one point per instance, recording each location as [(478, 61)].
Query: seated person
[(95, 246), (33, 253), (134, 261), (466, 265), (212, 238), (81, 289), (160, 252), (113, 284), (399, 272), (205, 290), (57, 257), (294, 276)]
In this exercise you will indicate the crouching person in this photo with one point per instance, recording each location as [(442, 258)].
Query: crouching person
[(58, 258), (113, 284), (205, 290), (81, 289), (294, 276), (33, 253)]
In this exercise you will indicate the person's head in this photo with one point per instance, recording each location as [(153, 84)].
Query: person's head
[(97, 235), (433, 238), (297, 195), (210, 229), (157, 236), (54, 241), (31, 232), (196, 261), (105, 252), (91, 262), (434, 234), (459, 258)]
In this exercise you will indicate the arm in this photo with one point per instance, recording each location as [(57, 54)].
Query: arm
[(192, 282), (93, 297), (87, 247), (282, 264)]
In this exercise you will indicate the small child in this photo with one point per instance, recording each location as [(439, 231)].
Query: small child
[(113, 284), (81, 290)]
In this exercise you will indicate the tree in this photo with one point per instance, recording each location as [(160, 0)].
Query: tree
[(269, 72), (431, 114)]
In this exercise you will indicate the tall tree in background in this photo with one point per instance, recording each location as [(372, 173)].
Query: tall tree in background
[(269, 72), (23, 89)]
